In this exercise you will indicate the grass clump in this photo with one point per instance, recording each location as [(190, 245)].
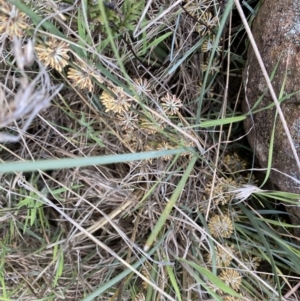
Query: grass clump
[(155, 201)]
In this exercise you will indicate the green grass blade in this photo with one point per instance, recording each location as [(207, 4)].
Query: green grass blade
[(173, 281), (211, 277), (158, 40), (287, 197), (112, 42), (11, 167), (271, 146), (165, 214), (186, 55), (262, 238), (216, 43), (154, 277), (223, 121)]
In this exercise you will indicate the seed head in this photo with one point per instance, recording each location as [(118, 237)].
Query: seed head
[(232, 278), (12, 21), (171, 104), (53, 53), (118, 103), (220, 226), (82, 75)]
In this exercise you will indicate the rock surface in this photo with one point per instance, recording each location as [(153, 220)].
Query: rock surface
[(276, 31)]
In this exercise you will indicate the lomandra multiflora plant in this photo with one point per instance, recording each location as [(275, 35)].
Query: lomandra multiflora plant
[(86, 79)]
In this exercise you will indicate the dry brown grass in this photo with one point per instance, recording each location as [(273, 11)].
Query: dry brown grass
[(68, 232)]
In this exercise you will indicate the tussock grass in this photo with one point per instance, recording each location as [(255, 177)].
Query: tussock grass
[(124, 172)]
